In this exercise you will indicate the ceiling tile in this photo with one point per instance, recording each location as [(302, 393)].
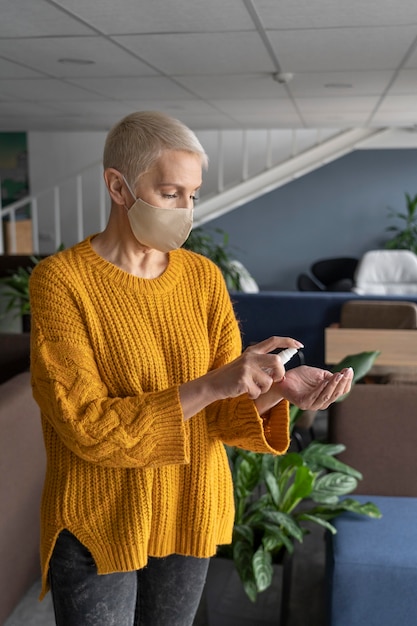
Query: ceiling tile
[(330, 84), (15, 108), (76, 108), (34, 18), (260, 113), (42, 90), (191, 53), (233, 85), (14, 70), (138, 88), (395, 118), (401, 104), (337, 105), (405, 83), (328, 13), (44, 54), (412, 59), (342, 49), (345, 120), (160, 16)]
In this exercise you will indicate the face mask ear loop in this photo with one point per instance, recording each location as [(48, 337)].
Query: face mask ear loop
[(130, 189)]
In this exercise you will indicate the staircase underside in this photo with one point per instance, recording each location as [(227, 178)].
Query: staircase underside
[(218, 204)]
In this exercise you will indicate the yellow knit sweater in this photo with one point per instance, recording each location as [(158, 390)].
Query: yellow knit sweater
[(125, 473)]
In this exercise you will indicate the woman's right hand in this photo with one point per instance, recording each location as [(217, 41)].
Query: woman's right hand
[(253, 372)]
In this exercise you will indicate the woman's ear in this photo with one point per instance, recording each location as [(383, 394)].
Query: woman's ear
[(117, 190)]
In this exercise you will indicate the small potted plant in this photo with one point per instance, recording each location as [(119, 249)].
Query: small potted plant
[(405, 235), (16, 289), (16, 292), (217, 250)]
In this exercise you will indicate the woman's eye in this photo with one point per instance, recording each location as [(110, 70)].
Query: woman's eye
[(170, 195), (195, 198)]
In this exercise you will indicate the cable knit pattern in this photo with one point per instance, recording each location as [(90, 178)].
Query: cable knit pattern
[(125, 473)]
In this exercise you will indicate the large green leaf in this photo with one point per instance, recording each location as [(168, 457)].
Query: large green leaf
[(361, 364), (272, 486), (319, 455), (299, 489), (316, 447), (289, 460), (330, 486), (243, 532), (273, 537), (257, 506), (262, 569), (247, 472), (317, 519), (367, 508), (242, 557), (284, 521), (329, 511), (338, 466)]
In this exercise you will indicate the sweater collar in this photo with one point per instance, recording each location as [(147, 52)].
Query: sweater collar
[(110, 272)]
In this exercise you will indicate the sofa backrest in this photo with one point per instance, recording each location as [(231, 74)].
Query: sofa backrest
[(22, 468), (300, 314)]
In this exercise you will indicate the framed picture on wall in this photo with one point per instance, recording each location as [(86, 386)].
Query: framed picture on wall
[(14, 177)]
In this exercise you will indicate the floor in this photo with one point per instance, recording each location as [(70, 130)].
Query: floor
[(307, 601)]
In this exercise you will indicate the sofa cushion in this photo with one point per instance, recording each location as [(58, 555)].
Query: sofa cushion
[(372, 566)]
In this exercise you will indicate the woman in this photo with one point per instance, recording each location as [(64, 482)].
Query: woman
[(138, 372)]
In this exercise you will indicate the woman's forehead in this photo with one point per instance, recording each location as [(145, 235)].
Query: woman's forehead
[(176, 167)]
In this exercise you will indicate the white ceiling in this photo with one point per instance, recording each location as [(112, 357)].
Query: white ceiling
[(208, 62)]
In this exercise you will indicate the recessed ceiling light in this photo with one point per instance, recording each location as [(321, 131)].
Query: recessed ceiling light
[(76, 61), (338, 85)]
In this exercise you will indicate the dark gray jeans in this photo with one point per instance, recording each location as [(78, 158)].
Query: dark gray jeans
[(166, 592)]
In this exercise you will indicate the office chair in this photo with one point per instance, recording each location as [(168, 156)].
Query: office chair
[(335, 274)]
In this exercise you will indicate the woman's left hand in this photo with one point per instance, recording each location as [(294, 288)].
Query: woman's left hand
[(314, 388)]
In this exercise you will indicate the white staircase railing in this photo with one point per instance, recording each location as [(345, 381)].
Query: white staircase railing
[(58, 213), (243, 166)]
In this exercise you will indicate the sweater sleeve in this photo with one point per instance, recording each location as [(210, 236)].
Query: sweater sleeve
[(142, 430), (237, 423)]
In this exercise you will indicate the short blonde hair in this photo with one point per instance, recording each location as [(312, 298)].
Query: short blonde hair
[(137, 141)]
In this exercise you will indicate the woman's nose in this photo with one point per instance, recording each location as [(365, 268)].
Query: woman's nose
[(188, 203)]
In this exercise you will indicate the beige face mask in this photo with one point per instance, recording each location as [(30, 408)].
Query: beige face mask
[(158, 228)]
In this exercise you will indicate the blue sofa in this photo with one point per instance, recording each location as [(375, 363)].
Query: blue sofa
[(300, 314), (371, 566)]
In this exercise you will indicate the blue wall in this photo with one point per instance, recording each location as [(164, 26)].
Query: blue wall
[(340, 209)]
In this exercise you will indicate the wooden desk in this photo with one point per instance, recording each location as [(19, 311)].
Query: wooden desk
[(397, 347)]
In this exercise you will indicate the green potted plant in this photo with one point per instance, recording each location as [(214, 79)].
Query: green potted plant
[(405, 236), (16, 292), (278, 498), (17, 289), (217, 249)]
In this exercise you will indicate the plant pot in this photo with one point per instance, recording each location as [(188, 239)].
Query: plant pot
[(228, 605), (26, 322)]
